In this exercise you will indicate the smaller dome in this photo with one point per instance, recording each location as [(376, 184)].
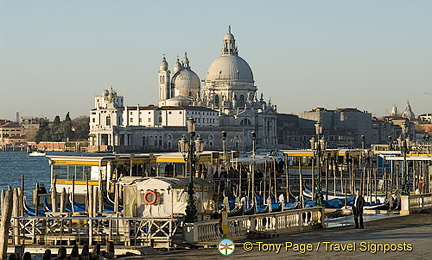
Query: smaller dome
[(229, 37), (164, 64), (408, 113), (185, 82)]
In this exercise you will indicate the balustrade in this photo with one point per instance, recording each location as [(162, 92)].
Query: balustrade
[(239, 227)]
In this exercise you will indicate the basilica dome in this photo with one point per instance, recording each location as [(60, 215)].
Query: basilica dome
[(230, 67)]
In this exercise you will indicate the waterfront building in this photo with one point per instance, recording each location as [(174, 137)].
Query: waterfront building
[(343, 126), (229, 88), (226, 102), (9, 131), (384, 132), (31, 126)]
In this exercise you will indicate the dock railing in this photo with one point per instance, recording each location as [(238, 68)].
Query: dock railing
[(420, 201), (239, 227), (56, 230)]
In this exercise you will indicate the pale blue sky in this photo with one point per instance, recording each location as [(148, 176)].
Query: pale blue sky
[(55, 56)]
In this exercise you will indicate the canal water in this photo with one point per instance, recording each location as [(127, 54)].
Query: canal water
[(14, 164)]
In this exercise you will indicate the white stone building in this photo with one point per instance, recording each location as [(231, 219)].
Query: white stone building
[(226, 101)]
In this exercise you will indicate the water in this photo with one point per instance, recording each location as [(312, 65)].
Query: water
[(34, 168)]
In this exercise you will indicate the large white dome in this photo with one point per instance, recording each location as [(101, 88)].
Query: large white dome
[(230, 68)]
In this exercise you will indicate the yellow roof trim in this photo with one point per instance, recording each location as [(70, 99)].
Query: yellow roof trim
[(69, 182), (68, 162)]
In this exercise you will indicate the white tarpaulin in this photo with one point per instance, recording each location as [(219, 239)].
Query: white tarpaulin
[(171, 195)]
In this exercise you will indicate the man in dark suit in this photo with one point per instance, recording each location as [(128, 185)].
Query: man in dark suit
[(358, 209)]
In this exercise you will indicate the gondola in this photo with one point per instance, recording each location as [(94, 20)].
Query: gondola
[(46, 205), (262, 209), (237, 211), (276, 207), (290, 205), (31, 211), (250, 210)]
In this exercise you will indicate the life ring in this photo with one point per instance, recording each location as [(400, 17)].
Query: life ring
[(152, 199)]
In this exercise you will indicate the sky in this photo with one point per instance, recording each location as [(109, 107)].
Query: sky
[(56, 56)]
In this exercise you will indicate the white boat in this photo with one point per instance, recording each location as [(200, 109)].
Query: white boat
[(37, 153)]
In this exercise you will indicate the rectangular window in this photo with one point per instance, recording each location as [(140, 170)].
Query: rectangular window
[(79, 173), (61, 171)]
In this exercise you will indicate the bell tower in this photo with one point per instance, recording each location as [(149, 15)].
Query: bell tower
[(164, 82)]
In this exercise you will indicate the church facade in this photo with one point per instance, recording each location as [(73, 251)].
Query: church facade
[(226, 101)]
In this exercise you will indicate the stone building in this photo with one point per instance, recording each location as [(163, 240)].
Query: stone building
[(343, 127), (227, 101), (10, 130)]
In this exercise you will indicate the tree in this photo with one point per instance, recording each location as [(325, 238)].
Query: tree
[(56, 120), (77, 128), (81, 127), (43, 134)]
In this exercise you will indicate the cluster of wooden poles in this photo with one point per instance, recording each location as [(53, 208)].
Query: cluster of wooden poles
[(12, 207), (10, 210), (94, 199)]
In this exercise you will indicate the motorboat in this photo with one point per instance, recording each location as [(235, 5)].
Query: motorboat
[(37, 153)]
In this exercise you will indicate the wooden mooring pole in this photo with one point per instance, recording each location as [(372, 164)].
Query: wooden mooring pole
[(54, 199), (15, 214), (5, 222)]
